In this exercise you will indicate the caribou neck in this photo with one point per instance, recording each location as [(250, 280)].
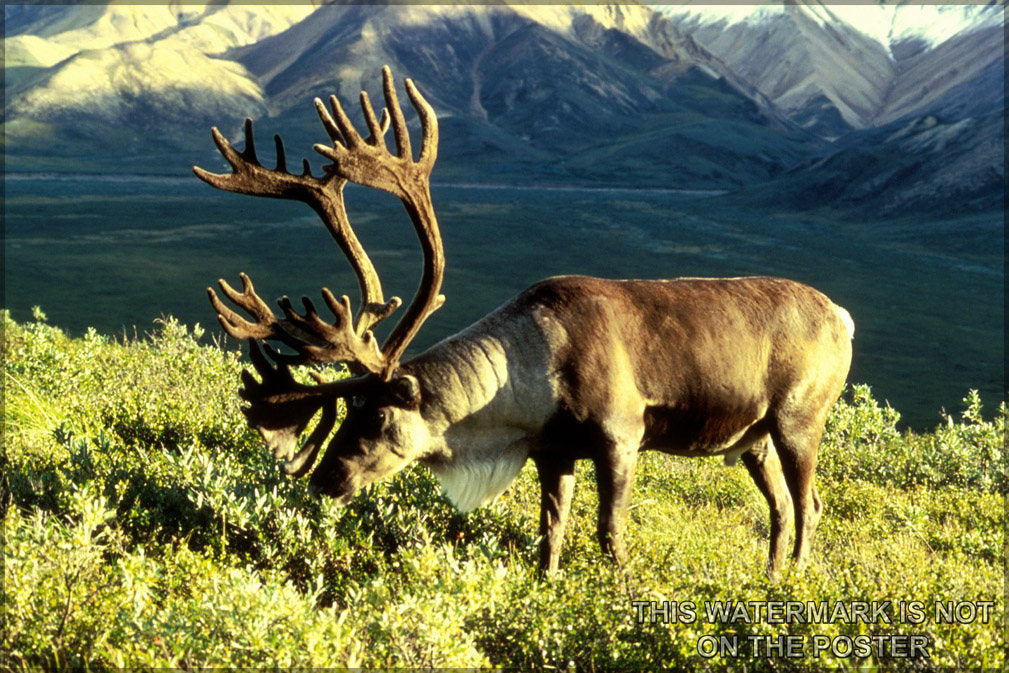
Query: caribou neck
[(485, 378)]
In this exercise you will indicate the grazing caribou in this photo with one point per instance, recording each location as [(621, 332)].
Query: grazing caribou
[(572, 368)]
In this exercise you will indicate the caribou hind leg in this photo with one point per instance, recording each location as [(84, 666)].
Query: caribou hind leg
[(797, 444), (764, 466)]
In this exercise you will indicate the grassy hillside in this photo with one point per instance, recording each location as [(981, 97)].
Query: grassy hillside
[(143, 526)]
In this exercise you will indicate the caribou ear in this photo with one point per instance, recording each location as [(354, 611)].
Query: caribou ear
[(406, 390)]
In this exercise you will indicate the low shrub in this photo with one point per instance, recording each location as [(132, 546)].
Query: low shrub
[(861, 442), (144, 526)]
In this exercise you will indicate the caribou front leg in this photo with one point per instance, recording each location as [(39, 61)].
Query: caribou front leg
[(557, 484)]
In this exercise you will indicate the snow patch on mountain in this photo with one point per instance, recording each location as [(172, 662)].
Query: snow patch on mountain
[(107, 82), (112, 25), (212, 28), (31, 50), (727, 14), (226, 26), (929, 25), (887, 23)]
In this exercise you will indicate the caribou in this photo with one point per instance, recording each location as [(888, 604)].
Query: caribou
[(572, 368)]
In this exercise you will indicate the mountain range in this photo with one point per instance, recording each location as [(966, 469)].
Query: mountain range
[(892, 107)]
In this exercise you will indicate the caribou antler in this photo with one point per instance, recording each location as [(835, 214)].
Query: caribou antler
[(306, 334), (365, 161), (368, 162)]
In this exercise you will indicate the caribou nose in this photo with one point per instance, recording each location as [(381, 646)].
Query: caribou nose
[(326, 487)]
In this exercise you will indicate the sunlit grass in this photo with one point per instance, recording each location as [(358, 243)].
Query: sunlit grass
[(146, 527)]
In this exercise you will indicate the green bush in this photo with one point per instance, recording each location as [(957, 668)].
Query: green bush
[(144, 526), (861, 442)]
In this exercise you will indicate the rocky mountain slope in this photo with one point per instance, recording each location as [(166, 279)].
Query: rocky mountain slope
[(520, 89), (834, 68), (910, 96), (725, 97), (928, 166)]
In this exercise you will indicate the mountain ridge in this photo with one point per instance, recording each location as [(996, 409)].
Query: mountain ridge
[(793, 53), (617, 94)]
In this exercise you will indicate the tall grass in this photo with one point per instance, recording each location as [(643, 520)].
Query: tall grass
[(144, 526)]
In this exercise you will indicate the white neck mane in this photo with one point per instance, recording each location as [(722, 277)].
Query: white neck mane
[(473, 483)]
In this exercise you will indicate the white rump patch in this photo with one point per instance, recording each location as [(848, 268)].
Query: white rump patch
[(473, 483), (848, 322)]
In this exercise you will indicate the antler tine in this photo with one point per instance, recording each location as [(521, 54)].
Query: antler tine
[(282, 157), (376, 127), (428, 126), (403, 150), (266, 325), (328, 123), (351, 137), (249, 153)]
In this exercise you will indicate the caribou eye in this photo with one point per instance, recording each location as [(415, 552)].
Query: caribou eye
[(376, 423)]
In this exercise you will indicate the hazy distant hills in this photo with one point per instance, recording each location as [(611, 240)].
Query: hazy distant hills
[(805, 96)]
